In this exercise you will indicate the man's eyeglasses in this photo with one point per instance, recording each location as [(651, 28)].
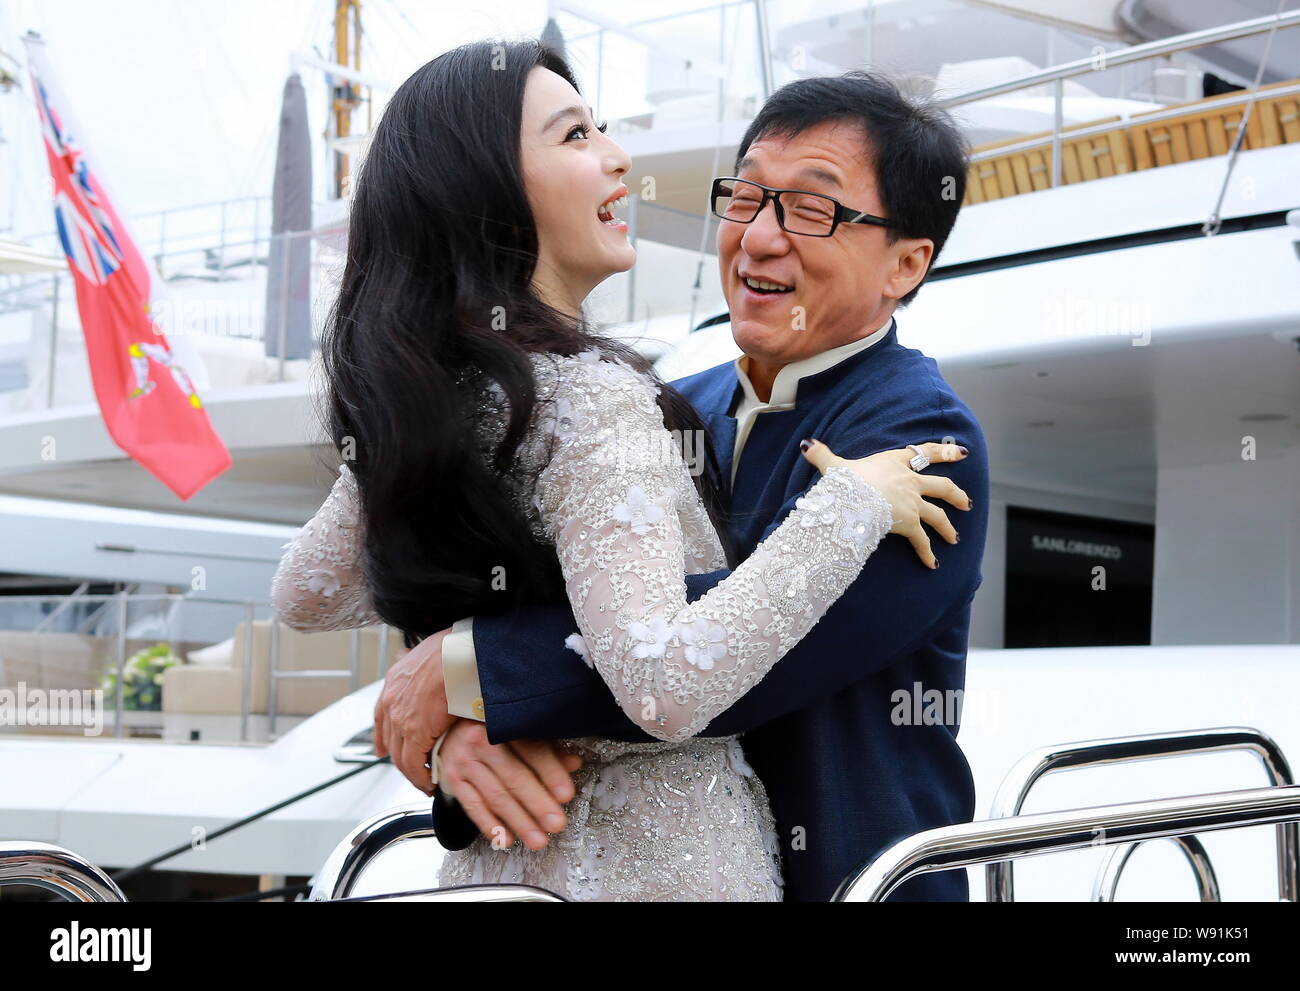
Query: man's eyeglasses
[(797, 210)]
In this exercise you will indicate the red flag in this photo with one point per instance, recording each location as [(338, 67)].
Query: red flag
[(149, 404)]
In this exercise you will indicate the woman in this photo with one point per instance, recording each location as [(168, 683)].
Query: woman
[(501, 453)]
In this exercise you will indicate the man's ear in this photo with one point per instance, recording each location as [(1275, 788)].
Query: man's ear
[(911, 261)]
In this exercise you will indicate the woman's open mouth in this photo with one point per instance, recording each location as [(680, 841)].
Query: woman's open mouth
[(605, 212)]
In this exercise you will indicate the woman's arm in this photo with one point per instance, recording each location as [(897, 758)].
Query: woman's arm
[(534, 687), (320, 584), (609, 499)]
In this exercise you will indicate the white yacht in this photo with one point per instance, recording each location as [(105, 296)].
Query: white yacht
[(1119, 304)]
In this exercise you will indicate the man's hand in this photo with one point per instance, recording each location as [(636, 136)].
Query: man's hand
[(412, 710), (507, 789)]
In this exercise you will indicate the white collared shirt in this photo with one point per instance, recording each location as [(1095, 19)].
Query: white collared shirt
[(786, 385)]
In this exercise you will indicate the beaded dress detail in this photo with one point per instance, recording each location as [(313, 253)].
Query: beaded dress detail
[(603, 481)]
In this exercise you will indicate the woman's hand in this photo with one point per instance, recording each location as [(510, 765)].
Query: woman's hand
[(890, 472)]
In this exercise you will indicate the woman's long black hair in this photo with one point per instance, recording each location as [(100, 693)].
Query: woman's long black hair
[(435, 305)]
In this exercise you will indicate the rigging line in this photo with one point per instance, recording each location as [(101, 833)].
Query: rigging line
[(418, 33), (218, 129), (20, 70), (253, 164), (122, 875), (717, 152), (403, 36), (310, 23), (1214, 222)]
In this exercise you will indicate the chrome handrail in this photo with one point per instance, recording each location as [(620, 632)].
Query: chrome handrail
[(370, 838), (1134, 53), (44, 865), (988, 841), (1207, 884), (1015, 787), (347, 861), (1102, 60), (1153, 117)]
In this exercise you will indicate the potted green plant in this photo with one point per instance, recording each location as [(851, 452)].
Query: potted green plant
[(141, 678)]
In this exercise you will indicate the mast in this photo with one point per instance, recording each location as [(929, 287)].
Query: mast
[(347, 94)]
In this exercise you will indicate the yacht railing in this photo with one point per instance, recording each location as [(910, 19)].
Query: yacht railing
[(1102, 61), (230, 240), (44, 865), (368, 839), (1134, 53), (189, 310), (1207, 884), (110, 615), (1210, 104), (995, 840), (338, 878), (1030, 769)]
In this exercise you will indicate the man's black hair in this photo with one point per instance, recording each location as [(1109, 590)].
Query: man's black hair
[(915, 148)]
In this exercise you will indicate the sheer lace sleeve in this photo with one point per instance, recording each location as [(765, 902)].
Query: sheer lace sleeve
[(609, 498), (320, 584)]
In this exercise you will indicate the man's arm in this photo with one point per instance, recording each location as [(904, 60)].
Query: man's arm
[(536, 688)]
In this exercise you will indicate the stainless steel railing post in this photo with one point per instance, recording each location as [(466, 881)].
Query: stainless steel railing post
[(364, 843), (346, 863), (121, 662), (1015, 787), (273, 674), (354, 679), (1207, 884), (1058, 123), (52, 369), (44, 865), (246, 689), (992, 841)]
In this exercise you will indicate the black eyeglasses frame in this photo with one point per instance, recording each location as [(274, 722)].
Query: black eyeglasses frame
[(842, 215)]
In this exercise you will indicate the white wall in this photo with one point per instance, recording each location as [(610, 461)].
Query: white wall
[(1227, 557)]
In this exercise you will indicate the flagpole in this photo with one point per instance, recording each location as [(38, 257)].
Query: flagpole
[(33, 37), (54, 344)]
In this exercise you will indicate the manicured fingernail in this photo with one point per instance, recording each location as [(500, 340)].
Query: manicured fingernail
[(962, 449), (554, 822), (561, 792), (935, 567), (535, 838), (805, 444)]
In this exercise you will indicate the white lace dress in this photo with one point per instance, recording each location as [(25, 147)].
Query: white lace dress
[(603, 481)]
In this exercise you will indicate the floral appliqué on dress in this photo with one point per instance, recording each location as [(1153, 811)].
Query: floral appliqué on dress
[(684, 817)]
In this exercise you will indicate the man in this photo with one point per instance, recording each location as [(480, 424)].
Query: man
[(853, 733)]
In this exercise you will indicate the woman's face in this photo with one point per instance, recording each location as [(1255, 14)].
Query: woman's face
[(573, 176)]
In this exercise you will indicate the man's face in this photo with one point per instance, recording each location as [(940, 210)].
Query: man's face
[(840, 287)]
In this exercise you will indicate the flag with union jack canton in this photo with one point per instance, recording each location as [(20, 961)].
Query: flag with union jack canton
[(150, 406)]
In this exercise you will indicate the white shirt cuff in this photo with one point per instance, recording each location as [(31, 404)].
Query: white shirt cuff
[(460, 671)]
